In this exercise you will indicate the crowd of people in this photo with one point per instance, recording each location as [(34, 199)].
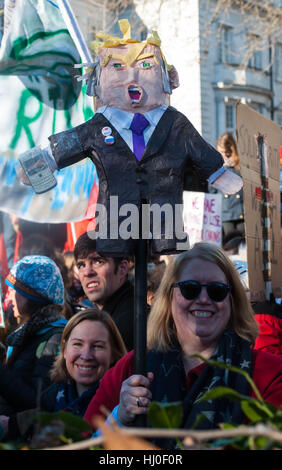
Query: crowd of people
[(68, 339)]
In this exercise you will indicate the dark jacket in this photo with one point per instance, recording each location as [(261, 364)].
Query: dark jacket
[(32, 349), (174, 149), (121, 308), (59, 396)]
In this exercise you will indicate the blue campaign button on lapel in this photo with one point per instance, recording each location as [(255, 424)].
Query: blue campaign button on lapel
[(106, 131), (109, 140)]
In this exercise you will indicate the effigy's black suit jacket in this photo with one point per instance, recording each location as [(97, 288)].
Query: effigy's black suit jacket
[(175, 147)]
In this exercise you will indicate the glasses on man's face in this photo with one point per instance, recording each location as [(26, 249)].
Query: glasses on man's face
[(217, 291)]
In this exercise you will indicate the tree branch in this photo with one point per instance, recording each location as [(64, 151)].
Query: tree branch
[(249, 431)]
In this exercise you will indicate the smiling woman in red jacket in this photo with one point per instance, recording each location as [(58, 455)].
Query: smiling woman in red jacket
[(200, 308)]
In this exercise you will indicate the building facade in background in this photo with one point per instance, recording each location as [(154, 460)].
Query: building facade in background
[(1, 18), (223, 53), (222, 56)]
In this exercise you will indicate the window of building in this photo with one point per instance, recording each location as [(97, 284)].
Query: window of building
[(230, 117), (1, 19), (259, 107), (255, 61), (225, 115), (225, 46), (278, 62)]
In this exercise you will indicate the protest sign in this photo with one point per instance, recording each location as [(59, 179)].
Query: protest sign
[(202, 217), (40, 96), (258, 146), (2, 319)]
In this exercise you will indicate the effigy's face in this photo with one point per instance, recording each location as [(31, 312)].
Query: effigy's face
[(135, 88)]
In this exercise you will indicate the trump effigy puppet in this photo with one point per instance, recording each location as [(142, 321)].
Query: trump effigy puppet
[(140, 145)]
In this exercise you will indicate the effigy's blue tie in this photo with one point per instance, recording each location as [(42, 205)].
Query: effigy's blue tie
[(138, 125)]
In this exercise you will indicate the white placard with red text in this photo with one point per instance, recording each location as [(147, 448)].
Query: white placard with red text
[(202, 217), (2, 319)]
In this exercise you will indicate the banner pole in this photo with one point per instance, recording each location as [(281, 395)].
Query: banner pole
[(75, 31)]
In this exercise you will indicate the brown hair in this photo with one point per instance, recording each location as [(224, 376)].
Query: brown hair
[(228, 143), (85, 245), (161, 328), (59, 371)]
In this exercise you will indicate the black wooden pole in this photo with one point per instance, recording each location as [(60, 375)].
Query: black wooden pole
[(140, 316), (140, 310)]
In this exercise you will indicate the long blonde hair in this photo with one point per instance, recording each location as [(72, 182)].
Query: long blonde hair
[(59, 371), (161, 330)]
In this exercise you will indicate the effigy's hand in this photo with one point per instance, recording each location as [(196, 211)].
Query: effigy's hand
[(135, 397), (228, 182), (21, 175)]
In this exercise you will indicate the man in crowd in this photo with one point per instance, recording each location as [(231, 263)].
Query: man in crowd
[(105, 283)]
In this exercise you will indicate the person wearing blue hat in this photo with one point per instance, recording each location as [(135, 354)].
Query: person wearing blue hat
[(36, 291)]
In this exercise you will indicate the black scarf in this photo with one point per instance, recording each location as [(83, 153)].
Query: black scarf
[(170, 382), (38, 320)]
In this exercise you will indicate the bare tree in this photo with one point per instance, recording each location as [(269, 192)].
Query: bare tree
[(260, 26)]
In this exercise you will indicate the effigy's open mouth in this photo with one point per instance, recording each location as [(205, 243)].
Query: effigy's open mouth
[(135, 94)]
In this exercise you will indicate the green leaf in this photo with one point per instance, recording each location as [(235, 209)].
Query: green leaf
[(223, 365), (261, 443), (8, 446), (228, 442), (236, 442), (165, 415), (227, 426), (199, 419), (277, 421), (222, 392), (74, 425), (256, 411)]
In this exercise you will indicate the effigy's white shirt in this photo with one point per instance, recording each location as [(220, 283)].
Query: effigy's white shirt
[(121, 120)]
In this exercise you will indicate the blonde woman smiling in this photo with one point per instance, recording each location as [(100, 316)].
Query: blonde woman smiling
[(200, 308)]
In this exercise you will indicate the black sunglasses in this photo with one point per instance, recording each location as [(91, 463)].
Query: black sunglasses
[(217, 291)]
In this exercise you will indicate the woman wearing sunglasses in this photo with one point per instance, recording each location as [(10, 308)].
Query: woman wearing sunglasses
[(200, 308)]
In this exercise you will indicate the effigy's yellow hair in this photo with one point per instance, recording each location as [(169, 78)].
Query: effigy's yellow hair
[(134, 52)]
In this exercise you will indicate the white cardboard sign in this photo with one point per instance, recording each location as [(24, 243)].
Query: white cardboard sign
[(202, 217)]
